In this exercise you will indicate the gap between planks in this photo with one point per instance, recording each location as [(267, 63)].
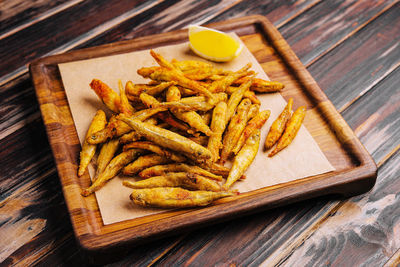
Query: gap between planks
[(169, 248), (296, 14), (202, 21), (47, 14), (369, 88), (350, 34), (83, 38)]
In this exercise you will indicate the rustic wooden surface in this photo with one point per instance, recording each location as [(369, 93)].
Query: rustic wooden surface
[(350, 47)]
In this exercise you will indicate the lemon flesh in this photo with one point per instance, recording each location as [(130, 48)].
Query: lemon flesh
[(212, 44)]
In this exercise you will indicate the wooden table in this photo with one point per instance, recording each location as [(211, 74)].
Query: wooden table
[(352, 49)]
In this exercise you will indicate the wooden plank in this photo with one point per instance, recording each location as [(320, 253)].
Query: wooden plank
[(345, 75), (19, 105), (278, 12), (23, 46), (17, 168), (363, 231), (243, 240), (318, 30), (15, 13), (376, 117), (165, 18)]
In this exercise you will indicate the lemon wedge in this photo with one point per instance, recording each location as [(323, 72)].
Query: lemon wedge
[(212, 44)]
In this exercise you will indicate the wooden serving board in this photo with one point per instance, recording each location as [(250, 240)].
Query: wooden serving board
[(355, 169)]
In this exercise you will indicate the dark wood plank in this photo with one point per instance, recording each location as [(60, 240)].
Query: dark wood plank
[(278, 12), (18, 105), (163, 18), (376, 117), (318, 30), (14, 13), (344, 74), (17, 168), (242, 240), (363, 231), (41, 38)]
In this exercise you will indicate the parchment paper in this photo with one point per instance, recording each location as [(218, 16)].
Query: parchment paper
[(302, 158)]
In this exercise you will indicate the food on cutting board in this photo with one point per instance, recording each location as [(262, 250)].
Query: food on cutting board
[(174, 134)]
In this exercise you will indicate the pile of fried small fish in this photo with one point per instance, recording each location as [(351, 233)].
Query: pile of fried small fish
[(177, 131)]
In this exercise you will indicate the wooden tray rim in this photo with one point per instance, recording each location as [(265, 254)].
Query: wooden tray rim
[(335, 182)]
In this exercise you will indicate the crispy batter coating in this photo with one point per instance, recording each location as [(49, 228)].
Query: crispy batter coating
[(222, 84), (150, 146), (195, 103), (105, 156), (107, 95), (149, 100), (168, 139), (254, 124), (112, 169), (174, 197), (172, 121), (292, 127), (173, 94), (248, 94), (190, 117), (194, 120), (134, 90), (88, 150), (187, 65), (178, 167), (235, 129), (132, 136), (200, 139), (235, 99), (191, 181), (199, 74), (243, 159), (262, 86), (206, 116), (116, 128), (218, 124), (278, 126), (124, 106), (144, 162), (253, 111), (169, 73)]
